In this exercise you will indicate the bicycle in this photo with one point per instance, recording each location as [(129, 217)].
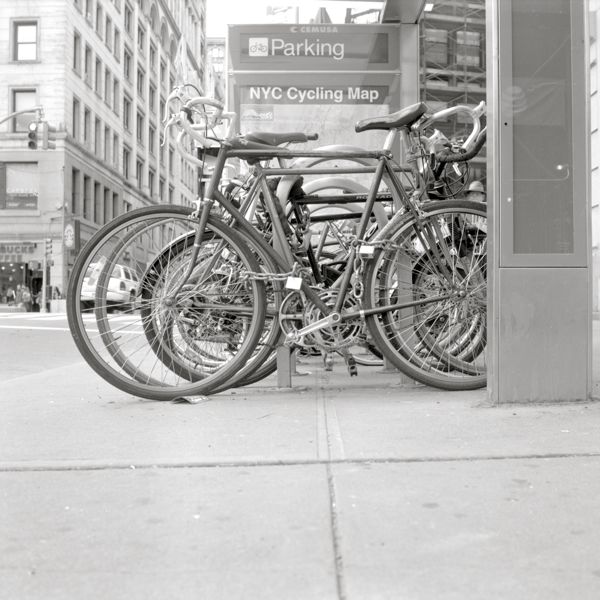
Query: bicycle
[(418, 282)]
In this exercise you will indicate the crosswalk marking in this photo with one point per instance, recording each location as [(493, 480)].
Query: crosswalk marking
[(61, 317)]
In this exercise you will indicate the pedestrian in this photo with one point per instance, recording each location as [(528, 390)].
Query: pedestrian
[(19, 295), (476, 191), (10, 296), (26, 298)]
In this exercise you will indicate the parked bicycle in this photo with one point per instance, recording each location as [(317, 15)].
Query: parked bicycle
[(216, 293)]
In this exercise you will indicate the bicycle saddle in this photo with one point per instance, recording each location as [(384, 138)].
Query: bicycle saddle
[(273, 138), (402, 118)]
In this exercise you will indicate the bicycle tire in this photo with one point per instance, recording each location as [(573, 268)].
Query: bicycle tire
[(444, 281), (119, 350)]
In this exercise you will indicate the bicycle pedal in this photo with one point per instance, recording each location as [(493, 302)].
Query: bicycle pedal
[(351, 364)]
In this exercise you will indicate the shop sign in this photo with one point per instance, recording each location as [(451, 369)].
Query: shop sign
[(21, 201), (17, 252), (69, 236)]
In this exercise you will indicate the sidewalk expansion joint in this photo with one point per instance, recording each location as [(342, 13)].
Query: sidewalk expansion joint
[(119, 466)]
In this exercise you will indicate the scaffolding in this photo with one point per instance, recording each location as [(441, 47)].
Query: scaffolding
[(452, 39)]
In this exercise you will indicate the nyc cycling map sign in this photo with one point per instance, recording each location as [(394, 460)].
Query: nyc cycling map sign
[(314, 78)]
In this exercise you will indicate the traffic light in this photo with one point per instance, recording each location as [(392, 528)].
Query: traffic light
[(48, 246), (32, 135), (48, 136)]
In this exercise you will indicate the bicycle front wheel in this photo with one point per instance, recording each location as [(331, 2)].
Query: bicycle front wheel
[(192, 328), (426, 288)]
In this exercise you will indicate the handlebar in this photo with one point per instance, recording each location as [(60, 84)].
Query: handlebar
[(474, 142), (447, 156)]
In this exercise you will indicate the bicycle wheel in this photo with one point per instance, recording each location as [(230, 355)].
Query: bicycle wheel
[(428, 286), (187, 336)]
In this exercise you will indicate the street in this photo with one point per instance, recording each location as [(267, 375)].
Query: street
[(342, 489), (33, 343)]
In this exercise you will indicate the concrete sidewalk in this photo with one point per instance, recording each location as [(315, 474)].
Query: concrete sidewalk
[(338, 489)]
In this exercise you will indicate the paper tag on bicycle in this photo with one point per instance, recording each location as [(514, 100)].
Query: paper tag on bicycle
[(293, 283), (456, 168), (365, 250)]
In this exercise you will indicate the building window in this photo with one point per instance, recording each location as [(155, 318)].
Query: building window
[(171, 159), (128, 18), (77, 53), (87, 65), (108, 33), (98, 209), (151, 182), (151, 139), (22, 100), (98, 79), (161, 189), (97, 137), (115, 152), (127, 113), (468, 48), (126, 206), (107, 205), (161, 151), (139, 130), (87, 197), (152, 58), (163, 73), (163, 108), (75, 191), (117, 45), (152, 99), (126, 162), (141, 81), (76, 117), (116, 98), (139, 173), (99, 19), (115, 205), (89, 8), (87, 118), (141, 37), (127, 63), (107, 86), (107, 145), (25, 43)]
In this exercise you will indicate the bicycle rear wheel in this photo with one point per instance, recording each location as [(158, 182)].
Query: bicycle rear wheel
[(189, 334), (428, 284)]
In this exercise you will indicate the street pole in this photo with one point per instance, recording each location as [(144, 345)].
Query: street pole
[(44, 282)]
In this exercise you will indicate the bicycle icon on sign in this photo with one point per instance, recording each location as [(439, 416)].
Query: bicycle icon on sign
[(258, 47)]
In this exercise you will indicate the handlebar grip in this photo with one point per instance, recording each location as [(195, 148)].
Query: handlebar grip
[(312, 136), (446, 156)]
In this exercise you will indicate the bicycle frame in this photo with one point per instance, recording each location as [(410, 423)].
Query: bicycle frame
[(280, 252)]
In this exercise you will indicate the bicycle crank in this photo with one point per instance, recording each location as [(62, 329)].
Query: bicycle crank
[(296, 337)]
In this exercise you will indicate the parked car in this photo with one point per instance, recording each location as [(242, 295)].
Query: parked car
[(122, 287)]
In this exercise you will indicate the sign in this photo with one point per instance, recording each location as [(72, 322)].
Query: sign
[(327, 104), (21, 201), (316, 78), (19, 252), (320, 47), (315, 94), (69, 236)]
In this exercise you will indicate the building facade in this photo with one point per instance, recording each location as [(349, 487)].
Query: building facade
[(101, 70)]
